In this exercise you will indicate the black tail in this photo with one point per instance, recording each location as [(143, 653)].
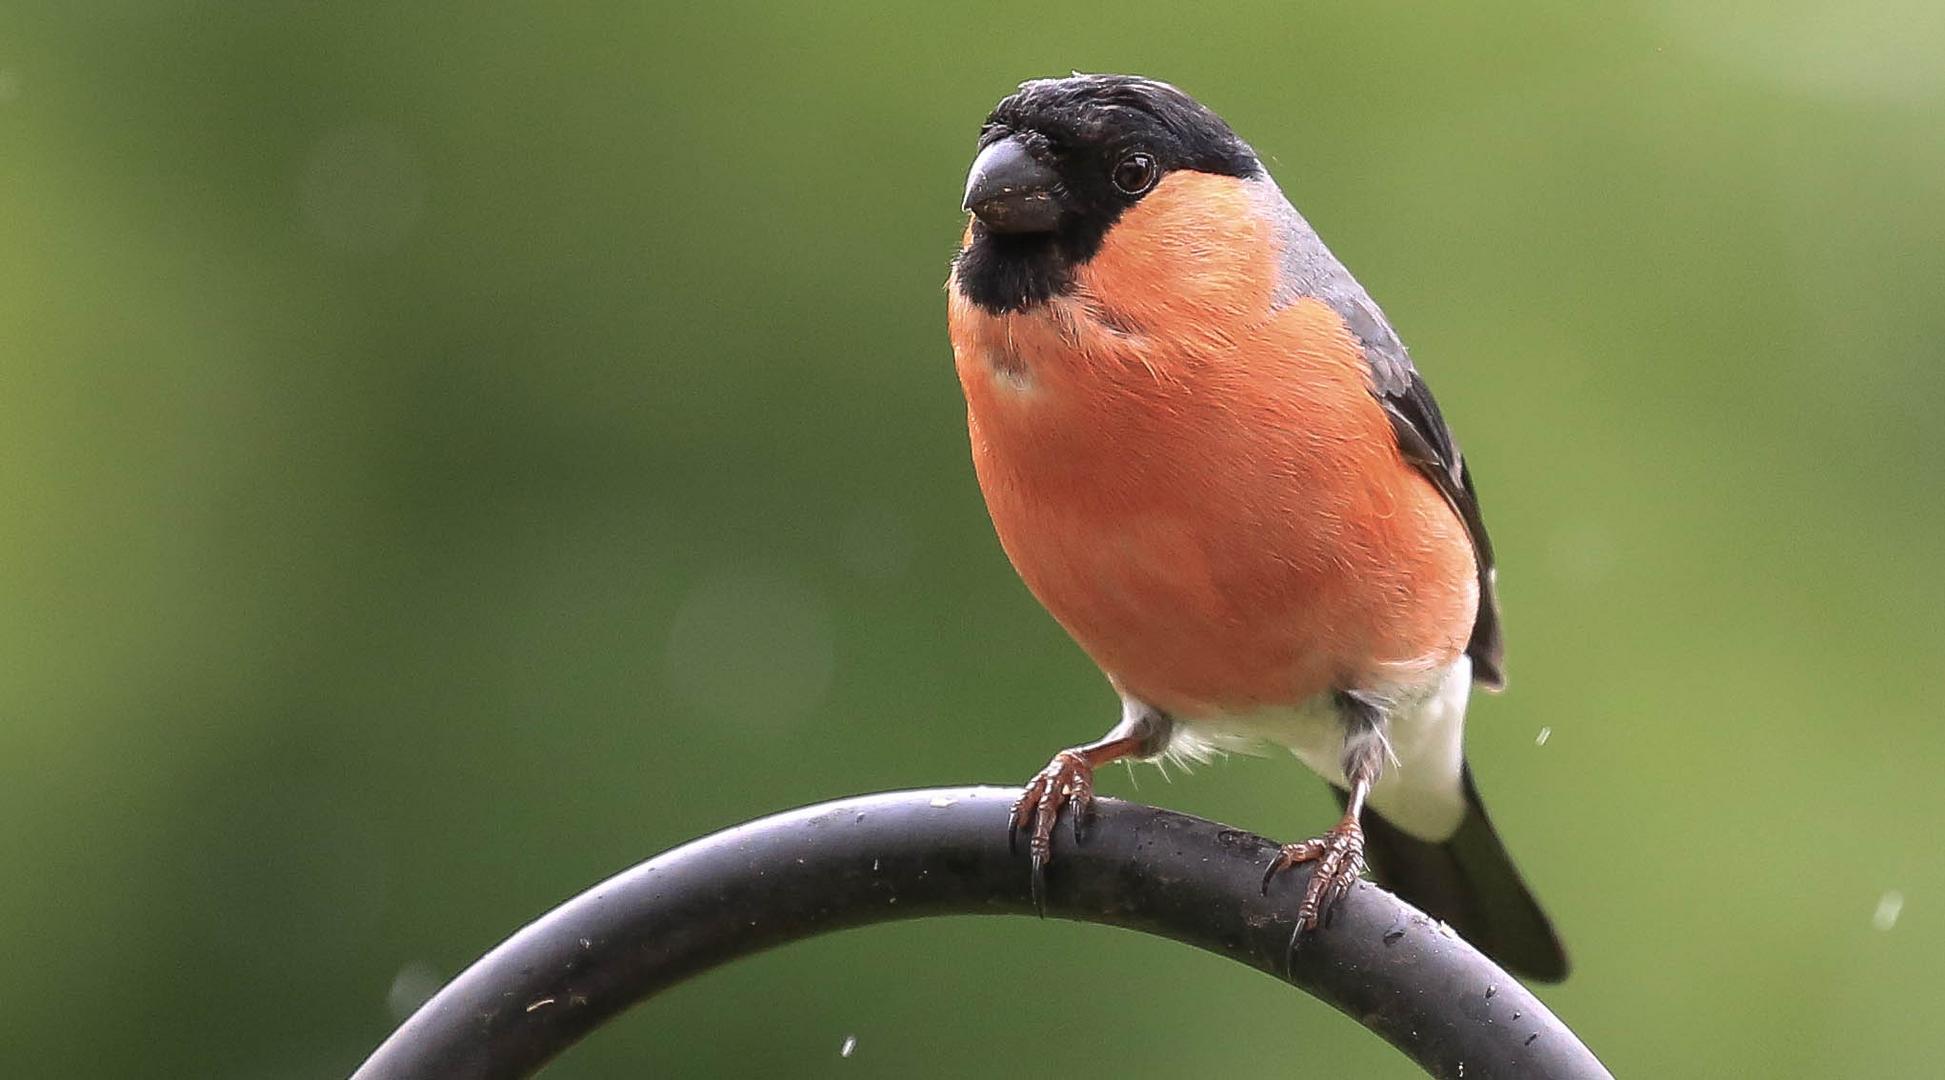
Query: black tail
[(1470, 882)]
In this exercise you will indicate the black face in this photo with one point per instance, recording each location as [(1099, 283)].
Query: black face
[(1060, 161)]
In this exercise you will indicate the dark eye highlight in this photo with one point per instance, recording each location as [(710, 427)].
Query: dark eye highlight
[(1136, 174)]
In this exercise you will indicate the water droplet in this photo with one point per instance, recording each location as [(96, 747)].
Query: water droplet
[(1889, 907), (412, 987)]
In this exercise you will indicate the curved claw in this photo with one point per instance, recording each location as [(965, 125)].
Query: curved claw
[(1291, 855), (1068, 780), (1339, 855)]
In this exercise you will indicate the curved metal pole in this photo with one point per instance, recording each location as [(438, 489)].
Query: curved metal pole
[(912, 854)]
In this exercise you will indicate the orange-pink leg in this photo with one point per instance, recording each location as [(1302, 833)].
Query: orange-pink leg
[(1339, 853), (1068, 781)]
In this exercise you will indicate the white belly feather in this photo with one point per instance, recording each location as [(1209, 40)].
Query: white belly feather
[(1419, 790)]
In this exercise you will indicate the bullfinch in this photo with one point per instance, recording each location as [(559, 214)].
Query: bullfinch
[(1208, 455)]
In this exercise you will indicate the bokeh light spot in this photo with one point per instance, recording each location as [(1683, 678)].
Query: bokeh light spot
[(754, 651), (363, 189)]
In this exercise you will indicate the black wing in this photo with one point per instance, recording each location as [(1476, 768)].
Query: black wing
[(1428, 443)]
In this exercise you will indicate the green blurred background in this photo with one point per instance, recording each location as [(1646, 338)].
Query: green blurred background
[(451, 453)]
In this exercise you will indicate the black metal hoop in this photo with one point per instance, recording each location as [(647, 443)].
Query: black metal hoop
[(913, 854)]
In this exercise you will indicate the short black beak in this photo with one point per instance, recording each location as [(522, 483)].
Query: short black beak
[(1010, 192)]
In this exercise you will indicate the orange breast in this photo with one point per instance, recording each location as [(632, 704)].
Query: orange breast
[(1203, 493)]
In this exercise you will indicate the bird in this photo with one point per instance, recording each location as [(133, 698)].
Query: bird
[(1209, 456)]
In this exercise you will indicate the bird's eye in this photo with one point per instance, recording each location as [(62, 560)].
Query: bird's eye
[(1136, 174)]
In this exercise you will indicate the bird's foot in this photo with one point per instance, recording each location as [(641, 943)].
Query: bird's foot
[(1339, 855), (1068, 780)]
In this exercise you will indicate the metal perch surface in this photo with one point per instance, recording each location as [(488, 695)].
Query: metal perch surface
[(913, 854)]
